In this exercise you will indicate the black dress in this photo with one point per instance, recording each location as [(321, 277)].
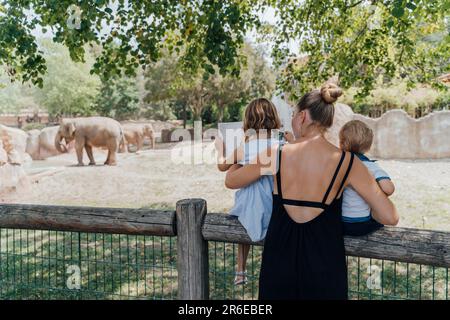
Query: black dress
[(305, 260)]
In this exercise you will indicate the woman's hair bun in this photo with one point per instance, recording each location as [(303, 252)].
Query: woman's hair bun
[(330, 92)]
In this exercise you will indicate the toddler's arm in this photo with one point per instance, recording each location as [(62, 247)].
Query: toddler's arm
[(383, 179)]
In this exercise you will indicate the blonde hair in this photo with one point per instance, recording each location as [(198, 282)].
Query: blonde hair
[(355, 136), (261, 114), (320, 104)]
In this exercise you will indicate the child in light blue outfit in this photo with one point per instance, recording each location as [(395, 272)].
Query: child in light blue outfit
[(253, 204), (355, 136)]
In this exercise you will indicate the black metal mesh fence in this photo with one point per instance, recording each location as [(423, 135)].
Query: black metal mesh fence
[(37, 264)]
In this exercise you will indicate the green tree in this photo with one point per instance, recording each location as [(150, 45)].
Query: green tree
[(360, 40), (68, 89), (256, 79), (160, 93), (357, 39), (118, 99), (170, 84), (131, 33), (15, 97)]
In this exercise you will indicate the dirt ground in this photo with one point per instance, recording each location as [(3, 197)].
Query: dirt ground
[(151, 179)]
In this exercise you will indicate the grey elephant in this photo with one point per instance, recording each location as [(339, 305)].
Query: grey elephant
[(91, 132)]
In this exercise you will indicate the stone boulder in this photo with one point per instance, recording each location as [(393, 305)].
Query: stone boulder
[(12, 175), (33, 148), (47, 143), (13, 179), (15, 139), (3, 154), (41, 144)]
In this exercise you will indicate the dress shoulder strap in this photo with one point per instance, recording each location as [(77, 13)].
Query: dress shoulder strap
[(338, 168), (279, 172), (352, 156)]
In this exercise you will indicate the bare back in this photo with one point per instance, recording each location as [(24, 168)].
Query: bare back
[(311, 171)]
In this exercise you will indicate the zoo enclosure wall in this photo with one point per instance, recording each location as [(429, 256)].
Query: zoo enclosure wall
[(49, 252)]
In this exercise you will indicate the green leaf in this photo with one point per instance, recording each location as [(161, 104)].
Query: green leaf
[(411, 5), (398, 11)]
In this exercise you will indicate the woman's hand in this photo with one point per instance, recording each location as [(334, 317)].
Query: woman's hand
[(289, 137), (220, 148), (223, 163)]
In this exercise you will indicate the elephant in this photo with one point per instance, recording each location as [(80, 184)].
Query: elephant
[(91, 132), (47, 144), (135, 134)]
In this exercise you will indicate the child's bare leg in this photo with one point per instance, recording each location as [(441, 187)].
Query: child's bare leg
[(243, 250)]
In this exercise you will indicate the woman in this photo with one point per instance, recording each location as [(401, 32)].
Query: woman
[(304, 254)]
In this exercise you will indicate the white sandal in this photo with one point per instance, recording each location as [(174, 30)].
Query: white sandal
[(240, 278)]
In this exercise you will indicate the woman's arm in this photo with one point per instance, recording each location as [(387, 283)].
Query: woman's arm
[(223, 164), (383, 210), (241, 176)]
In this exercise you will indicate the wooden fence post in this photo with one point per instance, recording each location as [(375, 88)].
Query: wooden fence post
[(192, 260)]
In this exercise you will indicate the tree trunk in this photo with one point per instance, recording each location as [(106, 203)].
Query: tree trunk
[(197, 109), (184, 116), (220, 112)]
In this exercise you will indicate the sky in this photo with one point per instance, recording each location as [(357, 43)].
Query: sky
[(269, 16)]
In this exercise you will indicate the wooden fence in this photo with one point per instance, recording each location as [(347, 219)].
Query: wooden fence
[(194, 227)]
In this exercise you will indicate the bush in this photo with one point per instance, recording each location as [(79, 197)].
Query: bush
[(33, 126), (398, 96)]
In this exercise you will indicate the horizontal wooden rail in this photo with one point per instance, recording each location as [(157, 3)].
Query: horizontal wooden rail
[(390, 243), (87, 219)]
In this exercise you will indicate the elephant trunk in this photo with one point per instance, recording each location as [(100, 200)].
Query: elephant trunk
[(58, 143)]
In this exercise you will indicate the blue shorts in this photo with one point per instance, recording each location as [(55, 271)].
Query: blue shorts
[(361, 228)]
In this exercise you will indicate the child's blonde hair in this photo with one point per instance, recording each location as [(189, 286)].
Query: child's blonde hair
[(261, 114), (355, 136)]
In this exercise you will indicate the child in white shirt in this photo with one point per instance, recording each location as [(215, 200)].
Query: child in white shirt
[(355, 136)]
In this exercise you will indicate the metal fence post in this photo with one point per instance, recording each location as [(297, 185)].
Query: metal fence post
[(192, 260)]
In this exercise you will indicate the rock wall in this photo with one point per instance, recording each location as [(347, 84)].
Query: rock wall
[(41, 143), (12, 158), (16, 141), (398, 136), (33, 148), (157, 125)]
